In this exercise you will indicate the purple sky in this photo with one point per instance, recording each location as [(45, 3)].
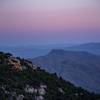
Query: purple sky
[(49, 21)]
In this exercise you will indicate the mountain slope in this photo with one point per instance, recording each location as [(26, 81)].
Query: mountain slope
[(81, 68), (88, 47), (20, 80)]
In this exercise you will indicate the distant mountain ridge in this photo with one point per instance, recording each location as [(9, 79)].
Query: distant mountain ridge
[(92, 47), (32, 51), (79, 67)]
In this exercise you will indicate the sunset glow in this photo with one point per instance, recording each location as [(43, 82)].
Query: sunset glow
[(53, 19)]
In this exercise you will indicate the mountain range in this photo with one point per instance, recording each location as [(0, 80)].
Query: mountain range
[(88, 47), (32, 51), (79, 67)]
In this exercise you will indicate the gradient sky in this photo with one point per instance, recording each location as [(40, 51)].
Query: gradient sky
[(49, 21)]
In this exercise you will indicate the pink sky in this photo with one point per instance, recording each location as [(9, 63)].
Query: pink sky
[(49, 16)]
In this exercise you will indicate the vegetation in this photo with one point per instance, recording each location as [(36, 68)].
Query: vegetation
[(14, 82)]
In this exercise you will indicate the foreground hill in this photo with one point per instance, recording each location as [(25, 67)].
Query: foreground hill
[(88, 47), (20, 80), (80, 68)]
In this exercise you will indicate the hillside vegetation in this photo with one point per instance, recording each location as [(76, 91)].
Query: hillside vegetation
[(21, 80)]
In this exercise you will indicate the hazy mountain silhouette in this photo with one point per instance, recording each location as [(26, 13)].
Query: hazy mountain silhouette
[(81, 68), (88, 47), (31, 51)]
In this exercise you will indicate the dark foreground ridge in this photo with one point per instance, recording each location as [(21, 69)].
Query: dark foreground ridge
[(21, 80)]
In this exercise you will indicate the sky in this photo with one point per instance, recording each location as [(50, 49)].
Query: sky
[(49, 21)]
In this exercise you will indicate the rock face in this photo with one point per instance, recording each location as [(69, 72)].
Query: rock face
[(15, 62), (20, 80), (41, 90), (80, 68)]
